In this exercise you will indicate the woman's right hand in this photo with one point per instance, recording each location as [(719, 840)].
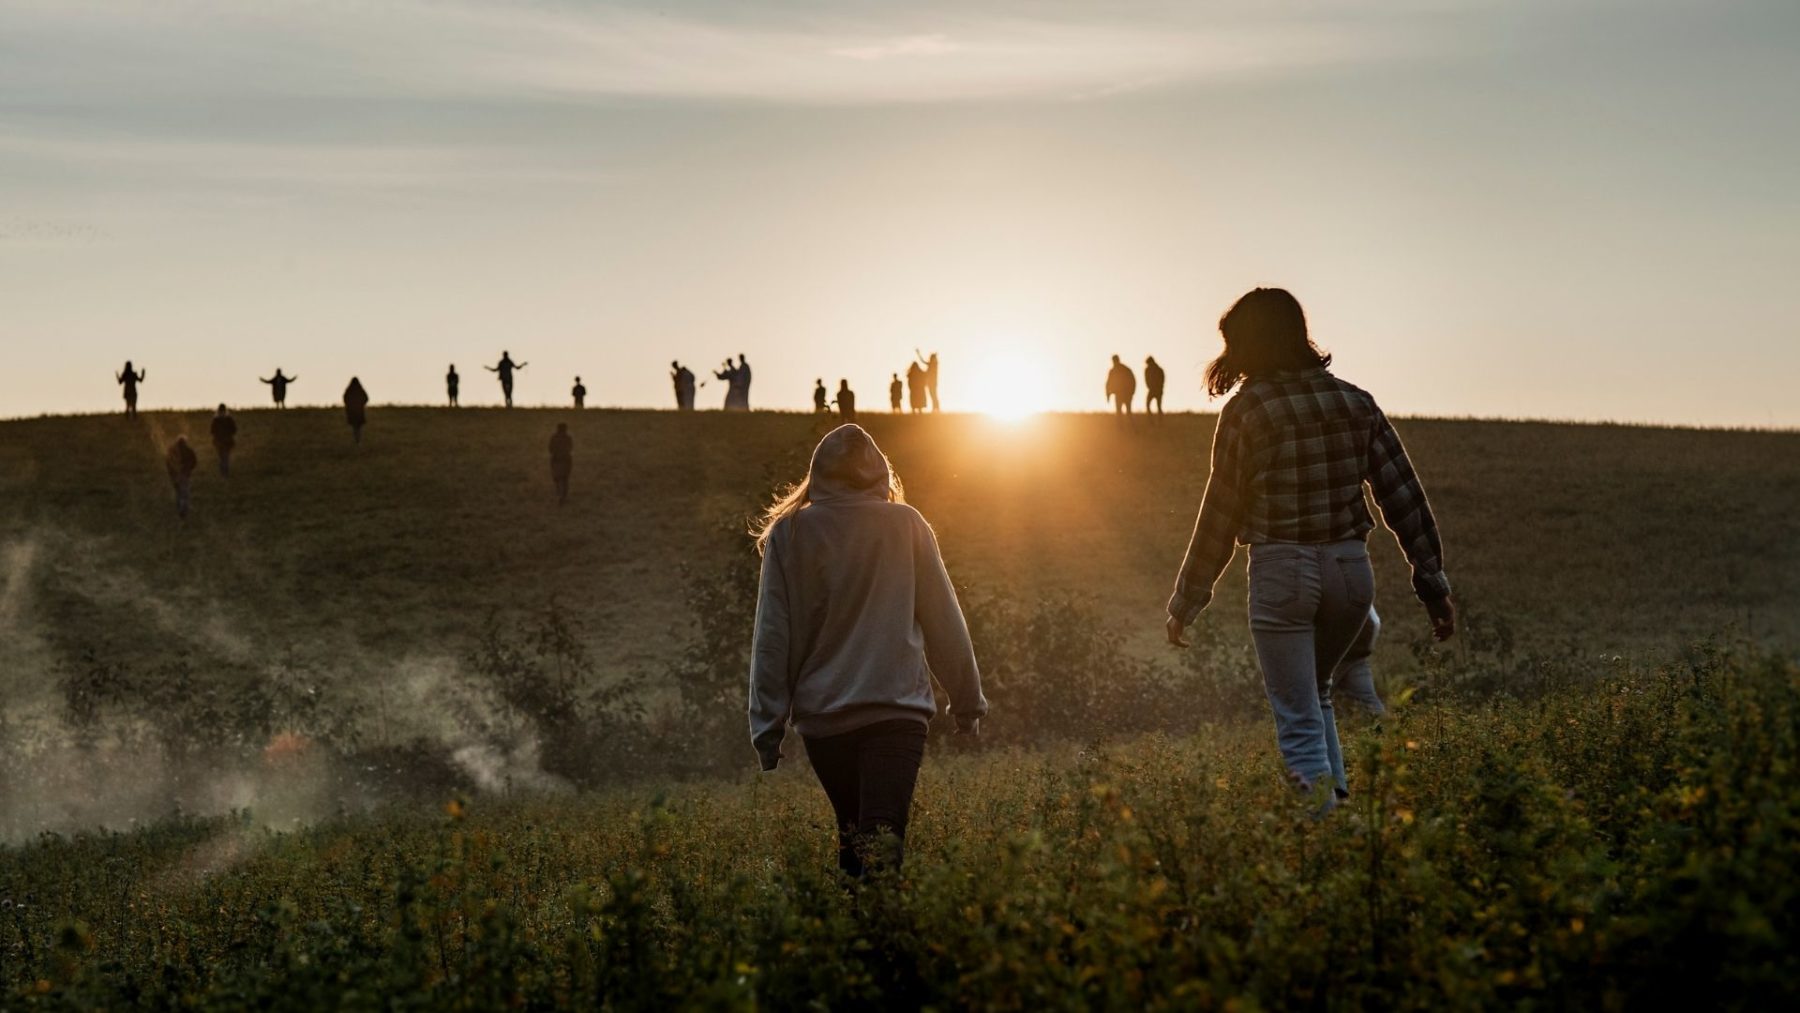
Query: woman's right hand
[(1443, 618), (1175, 631)]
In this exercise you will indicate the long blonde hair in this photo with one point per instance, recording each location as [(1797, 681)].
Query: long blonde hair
[(847, 457)]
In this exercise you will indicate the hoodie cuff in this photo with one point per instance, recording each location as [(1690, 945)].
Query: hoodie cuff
[(768, 749)]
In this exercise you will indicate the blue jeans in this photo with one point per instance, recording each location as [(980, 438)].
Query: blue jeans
[(1354, 680), (1308, 603)]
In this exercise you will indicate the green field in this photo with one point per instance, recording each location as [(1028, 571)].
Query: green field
[(1622, 540), (1574, 804)]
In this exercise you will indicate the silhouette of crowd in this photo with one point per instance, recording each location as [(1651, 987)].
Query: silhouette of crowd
[(916, 391)]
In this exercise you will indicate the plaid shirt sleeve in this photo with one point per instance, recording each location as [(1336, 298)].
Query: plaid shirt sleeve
[(1215, 530), (1406, 511)]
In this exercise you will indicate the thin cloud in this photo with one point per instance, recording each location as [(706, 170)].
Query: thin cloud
[(290, 93), (96, 54), (910, 45)]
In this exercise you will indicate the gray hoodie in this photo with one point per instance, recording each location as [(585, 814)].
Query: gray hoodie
[(856, 613)]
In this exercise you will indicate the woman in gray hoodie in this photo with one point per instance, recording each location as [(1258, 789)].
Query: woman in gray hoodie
[(854, 618)]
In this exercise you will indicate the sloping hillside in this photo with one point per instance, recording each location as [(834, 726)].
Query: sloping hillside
[(375, 557)]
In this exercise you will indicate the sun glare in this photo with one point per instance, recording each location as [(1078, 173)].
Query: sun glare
[(1010, 386)]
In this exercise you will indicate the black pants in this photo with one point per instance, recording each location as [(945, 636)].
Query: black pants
[(868, 775)]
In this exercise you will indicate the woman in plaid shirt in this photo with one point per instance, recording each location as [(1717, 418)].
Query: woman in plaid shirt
[(1290, 457)]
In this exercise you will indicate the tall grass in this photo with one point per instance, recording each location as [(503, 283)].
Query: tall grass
[(1624, 841)]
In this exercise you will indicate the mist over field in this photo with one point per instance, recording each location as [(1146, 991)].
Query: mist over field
[(337, 626)]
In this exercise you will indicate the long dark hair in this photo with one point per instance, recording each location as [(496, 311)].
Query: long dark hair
[(1264, 332)]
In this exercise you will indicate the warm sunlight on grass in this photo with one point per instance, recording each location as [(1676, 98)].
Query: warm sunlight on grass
[(1011, 382)]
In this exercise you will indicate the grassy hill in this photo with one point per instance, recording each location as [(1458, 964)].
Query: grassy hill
[(354, 645), (373, 558)]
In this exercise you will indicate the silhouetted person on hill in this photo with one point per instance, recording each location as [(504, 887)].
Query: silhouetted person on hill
[(129, 380), (1153, 385), (579, 393), (737, 384), (278, 387), (683, 379), (819, 395), (224, 438), (505, 368), (855, 618), (356, 408), (181, 462), (846, 402), (562, 460), (1292, 453), (931, 376), (452, 384), (896, 390), (915, 387), (1121, 386)]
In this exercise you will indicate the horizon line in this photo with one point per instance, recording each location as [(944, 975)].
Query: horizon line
[(1705, 427)]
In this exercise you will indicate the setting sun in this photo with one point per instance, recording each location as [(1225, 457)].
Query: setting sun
[(1009, 381)]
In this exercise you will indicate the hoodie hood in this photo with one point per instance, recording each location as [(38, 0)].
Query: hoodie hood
[(848, 464)]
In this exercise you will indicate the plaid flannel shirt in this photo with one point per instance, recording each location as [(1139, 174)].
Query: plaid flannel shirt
[(1289, 459)]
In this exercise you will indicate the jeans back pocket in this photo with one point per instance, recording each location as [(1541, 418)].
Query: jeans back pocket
[(1274, 580), (1359, 579)]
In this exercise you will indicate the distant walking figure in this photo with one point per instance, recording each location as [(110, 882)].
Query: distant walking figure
[(181, 462), (129, 379), (278, 387), (683, 378), (846, 402), (895, 390), (1121, 387), (1153, 385), (931, 376), (579, 393), (452, 383), (855, 616), (819, 395), (1291, 454), (505, 368), (562, 448), (224, 439), (356, 408), (915, 387)]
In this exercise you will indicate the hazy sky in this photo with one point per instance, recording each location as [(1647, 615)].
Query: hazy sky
[(1562, 209)]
